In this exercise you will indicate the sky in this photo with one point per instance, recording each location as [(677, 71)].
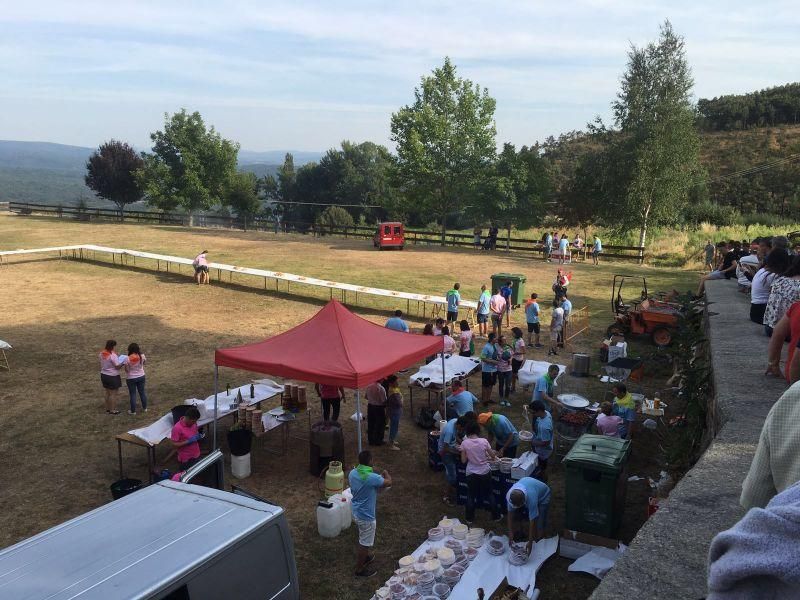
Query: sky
[(305, 75)]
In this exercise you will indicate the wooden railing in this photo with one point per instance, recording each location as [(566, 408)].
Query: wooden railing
[(413, 236)]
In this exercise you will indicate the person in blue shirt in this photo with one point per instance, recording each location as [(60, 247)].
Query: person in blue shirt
[(532, 318), (396, 322), (597, 248), (364, 484), (453, 298), (543, 390), (460, 401), (563, 249), (528, 499), (548, 246), (502, 431), (489, 361), (506, 292), (483, 311), (450, 452), (542, 442)]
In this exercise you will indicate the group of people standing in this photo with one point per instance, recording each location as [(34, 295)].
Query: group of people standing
[(551, 242), (112, 365)]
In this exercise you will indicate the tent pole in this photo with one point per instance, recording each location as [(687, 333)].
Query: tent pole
[(358, 414), (216, 387), (444, 386)]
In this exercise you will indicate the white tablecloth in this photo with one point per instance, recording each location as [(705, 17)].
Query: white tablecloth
[(531, 370), (454, 365), (487, 571), (155, 432)]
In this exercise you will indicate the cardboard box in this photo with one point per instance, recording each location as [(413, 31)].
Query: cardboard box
[(574, 544), (524, 465)]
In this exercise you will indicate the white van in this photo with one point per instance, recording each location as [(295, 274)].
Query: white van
[(170, 540)]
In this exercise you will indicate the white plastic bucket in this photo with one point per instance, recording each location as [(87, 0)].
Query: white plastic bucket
[(329, 522), (240, 466)]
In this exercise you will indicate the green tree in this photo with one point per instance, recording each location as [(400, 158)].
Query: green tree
[(334, 217), (513, 193), (445, 142), (241, 196), (190, 165), (655, 154), (111, 173)]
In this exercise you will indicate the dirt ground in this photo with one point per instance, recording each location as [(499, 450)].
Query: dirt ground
[(59, 444)]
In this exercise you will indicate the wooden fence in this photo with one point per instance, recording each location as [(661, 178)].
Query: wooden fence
[(413, 236)]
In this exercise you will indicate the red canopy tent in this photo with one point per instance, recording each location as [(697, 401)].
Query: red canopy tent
[(334, 347)]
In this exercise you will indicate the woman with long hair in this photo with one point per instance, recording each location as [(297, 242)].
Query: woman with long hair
[(134, 367), (774, 265), (110, 365), (784, 292), (465, 344)]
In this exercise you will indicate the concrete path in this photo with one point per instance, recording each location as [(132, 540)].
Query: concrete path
[(667, 559)]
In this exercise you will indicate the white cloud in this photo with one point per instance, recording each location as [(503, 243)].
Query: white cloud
[(345, 66)]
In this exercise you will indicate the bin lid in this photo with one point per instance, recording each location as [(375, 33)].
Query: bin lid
[(600, 452), (510, 276)]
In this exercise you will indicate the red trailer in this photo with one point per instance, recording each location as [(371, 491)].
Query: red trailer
[(389, 235)]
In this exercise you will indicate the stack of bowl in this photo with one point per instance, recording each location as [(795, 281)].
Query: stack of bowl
[(496, 546), (441, 590), (425, 583), (505, 465), (446, 525), (446, 556), (435, 534)]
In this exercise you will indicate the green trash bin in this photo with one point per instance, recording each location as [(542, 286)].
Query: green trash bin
[(517, 289), (596, 484)]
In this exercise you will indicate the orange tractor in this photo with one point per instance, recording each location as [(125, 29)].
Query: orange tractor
[(643, 315)]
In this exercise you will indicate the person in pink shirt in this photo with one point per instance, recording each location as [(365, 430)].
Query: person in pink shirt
[(134, 366), (110, 365), (497, 308), (185, 438), (331, 397), (476, 452), (200, 264), (607, 423), (448, 342)]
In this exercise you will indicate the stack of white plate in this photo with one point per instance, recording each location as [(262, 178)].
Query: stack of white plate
[(460, 531), (475, 537), (406, 561), (496, 547), (432, 566), (446, 525), (525, 436), (435, 534), (505, 465), (446, 556)]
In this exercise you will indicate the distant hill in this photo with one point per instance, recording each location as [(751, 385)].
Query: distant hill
[(50, 173)]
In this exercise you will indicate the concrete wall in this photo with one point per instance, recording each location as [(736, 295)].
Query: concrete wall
[(667, 559)]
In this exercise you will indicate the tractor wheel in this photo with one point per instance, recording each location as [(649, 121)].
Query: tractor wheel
[(615, 329), (662, 336)]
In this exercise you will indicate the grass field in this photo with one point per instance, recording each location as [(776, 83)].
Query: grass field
[(59, 444)]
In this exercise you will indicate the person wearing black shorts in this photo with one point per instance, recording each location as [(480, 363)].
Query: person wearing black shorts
[(109, 375)]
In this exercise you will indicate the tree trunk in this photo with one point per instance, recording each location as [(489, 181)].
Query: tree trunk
[(444, 228), (508, 239)]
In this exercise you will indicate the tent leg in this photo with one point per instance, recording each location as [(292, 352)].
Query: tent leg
[(216, 387), (358, 414), (444, 389)]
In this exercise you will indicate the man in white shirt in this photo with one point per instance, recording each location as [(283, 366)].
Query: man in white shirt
[(556, 325), (746, 269)]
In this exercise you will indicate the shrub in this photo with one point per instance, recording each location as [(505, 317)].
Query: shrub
[(709, 212), (334, 217)]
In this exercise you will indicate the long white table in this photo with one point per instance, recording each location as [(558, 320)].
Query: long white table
[(83, 251), (488, 571), (154, 433)]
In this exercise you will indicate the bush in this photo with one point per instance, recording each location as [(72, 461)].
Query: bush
[(334, 217), (709, 212)]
